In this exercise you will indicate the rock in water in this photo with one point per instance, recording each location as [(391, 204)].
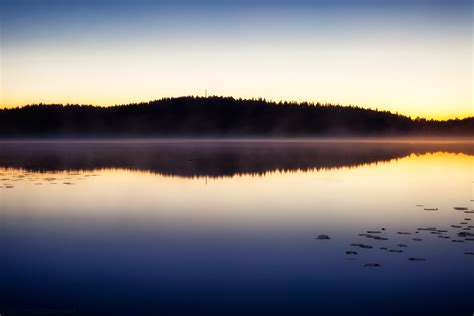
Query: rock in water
[(362, 246), (416, 259), (371, 265), (323, 237), (373, 237)]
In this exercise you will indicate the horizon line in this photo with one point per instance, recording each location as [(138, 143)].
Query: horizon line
[(267, 100)]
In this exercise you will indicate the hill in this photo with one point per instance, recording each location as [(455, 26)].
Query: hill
[(217, 117)]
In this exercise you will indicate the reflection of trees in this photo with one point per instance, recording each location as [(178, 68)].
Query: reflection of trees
[(210, 159)]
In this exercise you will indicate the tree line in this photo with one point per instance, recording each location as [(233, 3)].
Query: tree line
[(217, 117)]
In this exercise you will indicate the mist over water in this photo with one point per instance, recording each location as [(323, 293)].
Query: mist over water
[(231, 227), (218, 158)]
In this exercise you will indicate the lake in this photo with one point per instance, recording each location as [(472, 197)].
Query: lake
[(180, 227)]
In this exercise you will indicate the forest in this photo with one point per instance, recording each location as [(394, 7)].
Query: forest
[(218, 117)]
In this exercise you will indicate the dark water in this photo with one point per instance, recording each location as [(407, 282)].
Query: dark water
[(191, 228)]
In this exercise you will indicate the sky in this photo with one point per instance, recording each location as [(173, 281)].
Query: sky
[(411, 57)]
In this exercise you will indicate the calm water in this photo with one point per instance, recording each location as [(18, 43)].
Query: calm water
[(187, 228)]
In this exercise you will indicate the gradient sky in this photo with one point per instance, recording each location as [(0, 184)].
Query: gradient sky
[(412, 57)]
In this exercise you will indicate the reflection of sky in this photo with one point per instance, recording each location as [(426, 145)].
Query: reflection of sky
[(410, 56), (340, 198), (130, 241)]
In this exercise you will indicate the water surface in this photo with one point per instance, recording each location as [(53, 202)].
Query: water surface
[(231, 227)]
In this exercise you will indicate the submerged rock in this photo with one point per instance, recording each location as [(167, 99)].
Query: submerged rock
[(460, 208), (373, 237), (417, 239), (372, 265), (416, 259), (323, 237), (403, 233), (402, 245), (395, 250), (362, 246), (469, 253), (351, 252)]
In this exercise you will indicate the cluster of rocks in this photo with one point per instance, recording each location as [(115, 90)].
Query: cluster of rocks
[(7, 179), (461, 233)]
